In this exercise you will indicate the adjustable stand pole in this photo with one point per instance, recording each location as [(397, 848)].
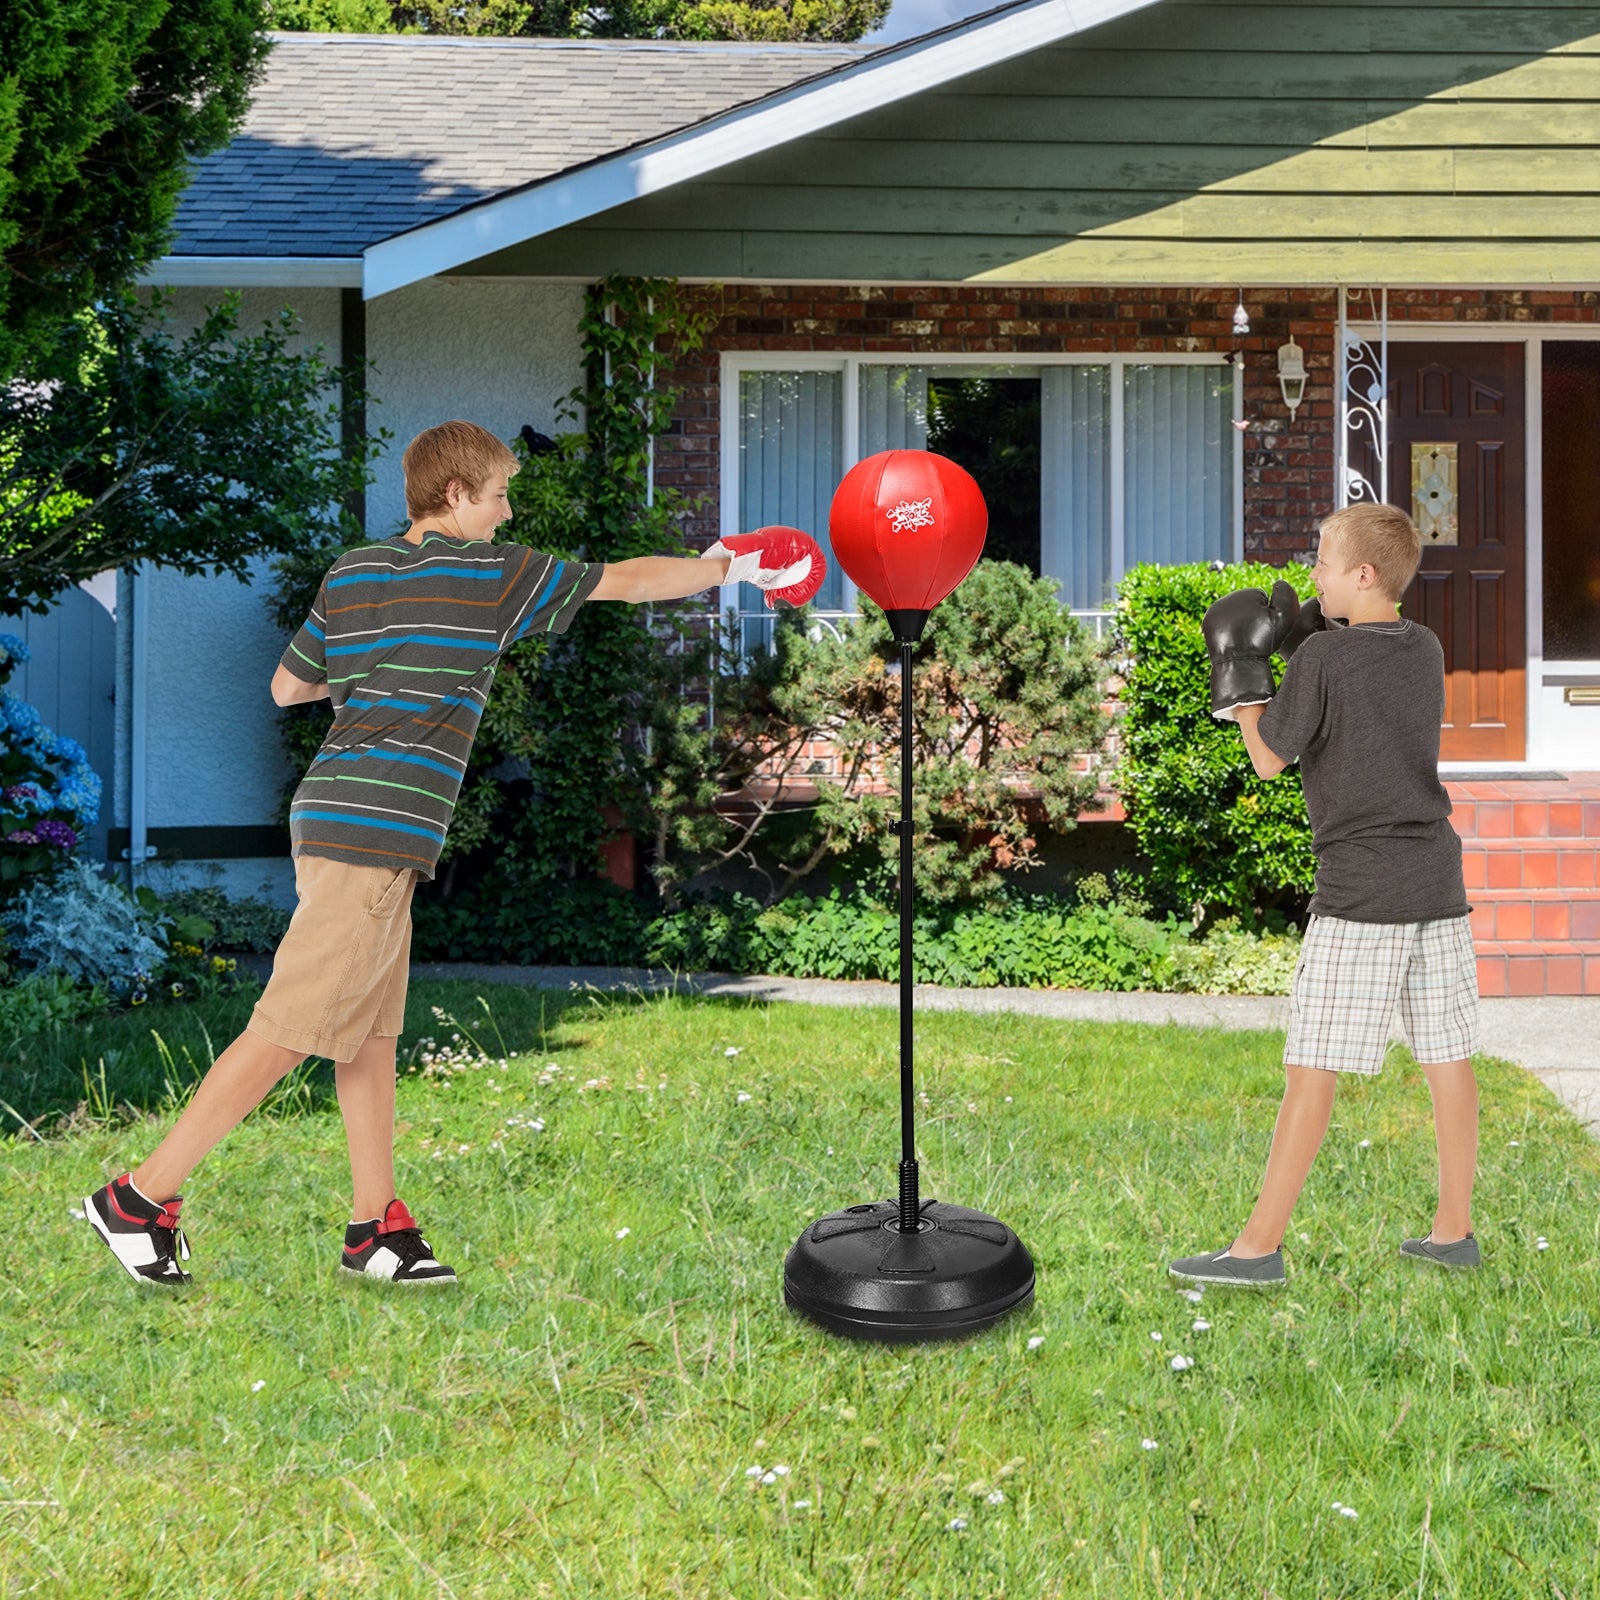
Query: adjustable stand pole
[(877, 1270), (909, 1200)]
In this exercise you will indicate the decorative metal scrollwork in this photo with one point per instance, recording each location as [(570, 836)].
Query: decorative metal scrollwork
[(1363, 392)]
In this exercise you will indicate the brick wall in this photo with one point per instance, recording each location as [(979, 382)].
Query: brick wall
[(1288, 467)]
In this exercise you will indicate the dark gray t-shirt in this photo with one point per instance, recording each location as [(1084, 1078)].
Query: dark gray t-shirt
[(1360, 709)]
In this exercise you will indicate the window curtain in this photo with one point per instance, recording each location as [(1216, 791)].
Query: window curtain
[(1074, 492), (790, 449), (1177, 463)]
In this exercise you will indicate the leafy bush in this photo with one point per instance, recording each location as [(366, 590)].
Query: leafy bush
[(243, 924), (49, 794), (42, 1000), (1233, 960), (1219, 838), (1026, 941), (89, 930)]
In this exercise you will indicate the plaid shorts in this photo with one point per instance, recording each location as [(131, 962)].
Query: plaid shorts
[(1352, 976)]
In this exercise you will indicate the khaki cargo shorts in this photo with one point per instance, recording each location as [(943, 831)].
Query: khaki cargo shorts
[(339, 976)]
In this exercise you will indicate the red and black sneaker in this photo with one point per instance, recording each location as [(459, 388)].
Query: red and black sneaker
[(392, 1248), (143, 1234)]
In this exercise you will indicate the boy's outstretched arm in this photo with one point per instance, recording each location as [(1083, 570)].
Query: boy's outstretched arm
[(1262, 758), (659, 578), (288, 690)]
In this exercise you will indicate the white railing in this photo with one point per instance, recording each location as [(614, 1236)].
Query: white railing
[(1098, 623)]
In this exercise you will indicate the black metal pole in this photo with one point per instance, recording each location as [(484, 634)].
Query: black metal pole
[(909, 1201)]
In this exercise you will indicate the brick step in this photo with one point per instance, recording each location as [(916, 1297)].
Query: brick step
[(1526, 819), (1530, 967), (1546, 916), (1530, 864)]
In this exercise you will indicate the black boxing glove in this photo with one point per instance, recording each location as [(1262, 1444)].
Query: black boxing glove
[(1242, 632), (1311, 620)]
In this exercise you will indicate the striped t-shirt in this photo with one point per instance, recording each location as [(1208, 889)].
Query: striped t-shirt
[(408, 637)]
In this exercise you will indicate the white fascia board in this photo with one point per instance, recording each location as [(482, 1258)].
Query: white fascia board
[(250, 272), (892, 75)]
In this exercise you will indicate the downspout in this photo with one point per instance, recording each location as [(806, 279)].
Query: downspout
[(353, 418), (138, 850)]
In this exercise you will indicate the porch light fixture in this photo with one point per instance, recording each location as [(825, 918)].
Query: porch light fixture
[(1292, 375)]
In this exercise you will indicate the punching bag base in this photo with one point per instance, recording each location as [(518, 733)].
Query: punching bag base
[(854, 1272)]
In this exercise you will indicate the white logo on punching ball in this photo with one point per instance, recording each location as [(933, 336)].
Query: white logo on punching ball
[(911, 514)]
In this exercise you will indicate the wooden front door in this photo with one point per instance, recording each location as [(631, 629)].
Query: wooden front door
[(1456, 462)]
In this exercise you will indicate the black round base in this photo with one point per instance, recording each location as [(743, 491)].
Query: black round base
[(856, 1273)]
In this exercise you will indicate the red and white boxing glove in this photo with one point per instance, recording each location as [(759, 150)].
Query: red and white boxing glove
[(784, 563)]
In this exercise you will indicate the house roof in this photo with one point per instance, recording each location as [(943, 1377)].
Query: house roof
[(419, 154), (353, 138)]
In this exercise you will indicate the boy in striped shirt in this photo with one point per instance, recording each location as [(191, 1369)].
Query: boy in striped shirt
[(404, 639)]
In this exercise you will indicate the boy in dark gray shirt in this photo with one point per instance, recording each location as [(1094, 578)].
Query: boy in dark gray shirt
[(1360, 709)]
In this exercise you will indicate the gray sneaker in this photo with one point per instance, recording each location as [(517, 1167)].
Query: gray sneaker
[(1463, 1253), (1251, 1272)]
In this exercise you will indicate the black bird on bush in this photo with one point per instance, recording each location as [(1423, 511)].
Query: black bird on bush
[(538, 444)]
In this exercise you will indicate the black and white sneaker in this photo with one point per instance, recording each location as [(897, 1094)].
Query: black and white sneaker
[(392, 1248), (143, 1234)]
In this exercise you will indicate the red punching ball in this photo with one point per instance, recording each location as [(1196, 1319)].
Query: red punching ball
[(907, 526)]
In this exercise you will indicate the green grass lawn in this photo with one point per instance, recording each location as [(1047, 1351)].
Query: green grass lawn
[(584, 1416)]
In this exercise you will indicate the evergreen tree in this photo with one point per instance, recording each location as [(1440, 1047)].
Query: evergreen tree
[(103, 105)]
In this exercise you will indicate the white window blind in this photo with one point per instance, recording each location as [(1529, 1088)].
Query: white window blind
[(1177, 463)]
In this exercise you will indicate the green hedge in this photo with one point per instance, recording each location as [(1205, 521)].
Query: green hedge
[(1101, 940), (1220, 839)]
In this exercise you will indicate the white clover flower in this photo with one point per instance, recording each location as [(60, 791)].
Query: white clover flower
[(1366, 1144), (956, 1525), (1305, 1238), (802, 1505), (1193, 1296), (754, 1472), (622, 1233), (731, 1051), (1008, 1099), (1036, 1341), (780, 1471), (1156, 1337), (1200, 1325), (1148, 1444), (996, 1497), (1180, 1363), (1541, 1244), (75, 1213), (537, 1124), (769, 1477), (742, 1097), (1349, 1511), (258, 1386), (1516, 1144)]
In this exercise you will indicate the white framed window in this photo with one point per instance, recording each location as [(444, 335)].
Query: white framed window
[(1139, 460)]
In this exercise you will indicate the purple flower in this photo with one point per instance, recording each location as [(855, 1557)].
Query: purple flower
[(23, 836), (58, 833), (23, 791)]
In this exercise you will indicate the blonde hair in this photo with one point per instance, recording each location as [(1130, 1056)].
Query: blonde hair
[(1382, 537), (453, 452)]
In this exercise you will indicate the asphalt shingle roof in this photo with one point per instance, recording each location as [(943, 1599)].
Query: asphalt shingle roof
[(353, 138)]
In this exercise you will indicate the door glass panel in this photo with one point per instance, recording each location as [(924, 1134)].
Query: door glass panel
[(1571, 387)]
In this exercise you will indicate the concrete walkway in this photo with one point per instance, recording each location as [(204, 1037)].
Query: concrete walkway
[(1557, 1037)]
